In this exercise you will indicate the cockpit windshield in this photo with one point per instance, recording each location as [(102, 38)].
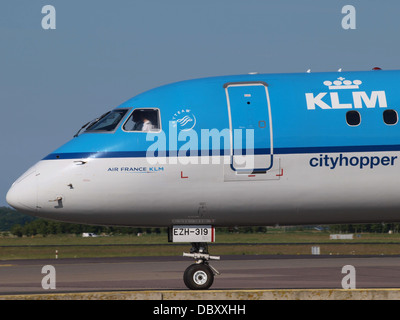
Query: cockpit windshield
[(106, 123)]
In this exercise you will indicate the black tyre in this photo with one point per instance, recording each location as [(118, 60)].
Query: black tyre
[(198, 277)]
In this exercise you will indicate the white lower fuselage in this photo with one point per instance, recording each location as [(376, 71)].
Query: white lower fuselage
[(299, 189)]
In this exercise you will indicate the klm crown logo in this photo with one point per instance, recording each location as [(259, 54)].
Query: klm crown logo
[(332, 99), (342, 83)]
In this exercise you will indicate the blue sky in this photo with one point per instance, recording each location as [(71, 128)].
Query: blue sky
[(105, 52)]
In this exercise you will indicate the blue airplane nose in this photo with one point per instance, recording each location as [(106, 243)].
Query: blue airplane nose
[(23, 193)]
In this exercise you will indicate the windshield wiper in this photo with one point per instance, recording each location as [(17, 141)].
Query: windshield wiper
[(90, 123), (79, 131)]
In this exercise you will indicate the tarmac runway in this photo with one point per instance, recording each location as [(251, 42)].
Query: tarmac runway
[(166, 273)]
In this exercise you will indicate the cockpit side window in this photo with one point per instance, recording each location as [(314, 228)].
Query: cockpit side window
[(143, 120), (107, 122)]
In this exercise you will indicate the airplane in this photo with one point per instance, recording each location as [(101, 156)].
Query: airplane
[(241, 150)]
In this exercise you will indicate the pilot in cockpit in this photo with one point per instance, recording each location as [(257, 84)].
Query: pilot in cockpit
[(143, 123)]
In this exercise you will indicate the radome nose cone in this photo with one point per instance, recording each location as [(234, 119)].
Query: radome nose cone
[(23, 193)]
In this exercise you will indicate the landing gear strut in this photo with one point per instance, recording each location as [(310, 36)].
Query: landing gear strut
[(200, 275)]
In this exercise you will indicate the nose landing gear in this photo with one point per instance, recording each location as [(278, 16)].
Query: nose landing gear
[(200, 275)]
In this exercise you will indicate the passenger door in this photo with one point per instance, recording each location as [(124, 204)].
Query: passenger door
[(250, 122)]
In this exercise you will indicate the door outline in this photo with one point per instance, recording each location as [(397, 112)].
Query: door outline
[(244, 84)]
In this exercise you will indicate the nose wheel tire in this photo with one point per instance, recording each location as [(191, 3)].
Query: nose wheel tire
[(198, 276)]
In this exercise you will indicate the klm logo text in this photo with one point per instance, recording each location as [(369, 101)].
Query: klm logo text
[(361, 99)]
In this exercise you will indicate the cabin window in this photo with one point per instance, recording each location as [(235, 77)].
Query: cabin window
[(143, 120), (107, 122), (353, 118), (390, 117)]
